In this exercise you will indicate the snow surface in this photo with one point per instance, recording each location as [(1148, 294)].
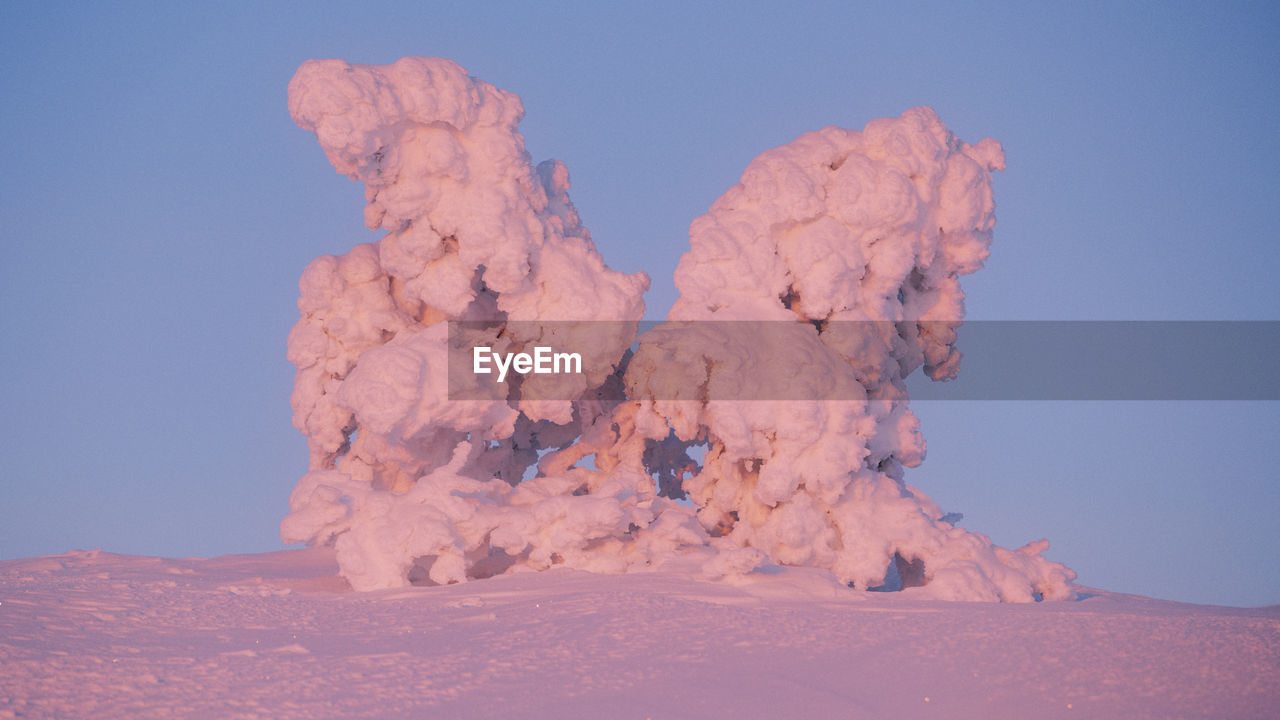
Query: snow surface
[(281, 635), (852, 241)]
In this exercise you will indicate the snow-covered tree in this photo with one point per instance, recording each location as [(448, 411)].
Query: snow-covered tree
[(844, 248)]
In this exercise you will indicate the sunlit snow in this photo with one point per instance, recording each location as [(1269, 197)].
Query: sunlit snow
[(279, 636), (852, 241)]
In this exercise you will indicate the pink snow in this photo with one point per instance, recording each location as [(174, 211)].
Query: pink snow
[(852, 241), (280, 635)]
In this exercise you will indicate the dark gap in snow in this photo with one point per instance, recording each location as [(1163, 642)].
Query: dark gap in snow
[(420, 573), (789, 298), (725, 526), (892, 580), (670, 461), (911, 572), (902, 574), (351, 433), (531, 471), (497, 562)]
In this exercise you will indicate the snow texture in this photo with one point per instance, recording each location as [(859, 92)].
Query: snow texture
[(278, 636), (402, 479), (852, 242)]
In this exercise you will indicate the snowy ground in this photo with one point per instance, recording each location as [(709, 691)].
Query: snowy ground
[(278, 635)]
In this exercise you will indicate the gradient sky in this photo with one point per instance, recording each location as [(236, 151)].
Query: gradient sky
[(158, 205)]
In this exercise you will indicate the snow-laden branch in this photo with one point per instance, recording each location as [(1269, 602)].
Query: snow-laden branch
[(850, 244)]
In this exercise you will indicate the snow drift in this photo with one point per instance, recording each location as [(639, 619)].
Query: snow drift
[(276, 637), (850, 243)]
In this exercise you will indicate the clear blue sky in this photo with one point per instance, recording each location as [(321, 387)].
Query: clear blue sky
[(158, 205)]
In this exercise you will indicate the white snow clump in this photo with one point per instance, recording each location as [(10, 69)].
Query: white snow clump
[(848, 244)]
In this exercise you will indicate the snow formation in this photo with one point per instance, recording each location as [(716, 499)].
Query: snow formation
[(849, 244)]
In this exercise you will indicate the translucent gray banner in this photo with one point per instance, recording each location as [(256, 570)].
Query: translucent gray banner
[(767, 360)]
